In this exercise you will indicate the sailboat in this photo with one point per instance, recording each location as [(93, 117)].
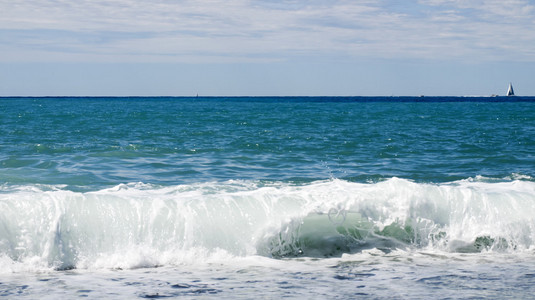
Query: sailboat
[(510, 91)]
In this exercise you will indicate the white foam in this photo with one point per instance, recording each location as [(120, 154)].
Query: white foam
[(140, 225)]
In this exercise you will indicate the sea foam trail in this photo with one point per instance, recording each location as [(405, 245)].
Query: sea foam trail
[(140, 225)]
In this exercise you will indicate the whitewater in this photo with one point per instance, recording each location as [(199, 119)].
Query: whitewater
[(47, 230), (320, 198)]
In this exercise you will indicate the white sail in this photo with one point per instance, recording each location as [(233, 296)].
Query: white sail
[(510, 91)]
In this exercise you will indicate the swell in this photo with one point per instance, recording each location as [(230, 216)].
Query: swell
[(140, 225)]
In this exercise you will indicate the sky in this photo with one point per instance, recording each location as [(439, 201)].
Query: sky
[(266, 48)]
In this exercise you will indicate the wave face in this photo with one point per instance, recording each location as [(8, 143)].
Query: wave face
[(140, 225)]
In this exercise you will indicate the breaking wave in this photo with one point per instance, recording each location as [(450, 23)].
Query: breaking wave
[(141, 225)]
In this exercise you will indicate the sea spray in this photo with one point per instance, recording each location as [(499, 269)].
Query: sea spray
[(140, 225)]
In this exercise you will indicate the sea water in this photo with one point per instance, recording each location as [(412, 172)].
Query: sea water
[(317, 197)]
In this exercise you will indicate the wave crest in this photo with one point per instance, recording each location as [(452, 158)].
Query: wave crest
[(139, 225)]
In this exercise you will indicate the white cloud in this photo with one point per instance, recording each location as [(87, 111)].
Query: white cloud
[(242, 30)]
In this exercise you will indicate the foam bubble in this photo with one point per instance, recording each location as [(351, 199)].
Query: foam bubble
[(141, 225)]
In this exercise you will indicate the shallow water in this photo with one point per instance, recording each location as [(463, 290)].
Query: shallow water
[(367, 275)]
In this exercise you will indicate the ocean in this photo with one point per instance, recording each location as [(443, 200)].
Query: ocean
[(267, 197)]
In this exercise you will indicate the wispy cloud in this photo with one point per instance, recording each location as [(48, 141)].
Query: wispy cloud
[(241, 30)]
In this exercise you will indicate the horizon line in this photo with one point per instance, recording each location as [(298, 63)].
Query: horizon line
[(269, 96)]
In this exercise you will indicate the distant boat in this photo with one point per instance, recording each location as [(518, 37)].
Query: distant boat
[(510, 91)]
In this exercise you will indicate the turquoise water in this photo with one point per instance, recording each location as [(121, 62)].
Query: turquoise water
[(374, 197), (90, 143)]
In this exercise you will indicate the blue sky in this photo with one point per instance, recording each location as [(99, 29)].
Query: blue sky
[(291, 47)]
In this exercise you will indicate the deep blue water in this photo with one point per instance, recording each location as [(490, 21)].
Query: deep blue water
[(97, 142)]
